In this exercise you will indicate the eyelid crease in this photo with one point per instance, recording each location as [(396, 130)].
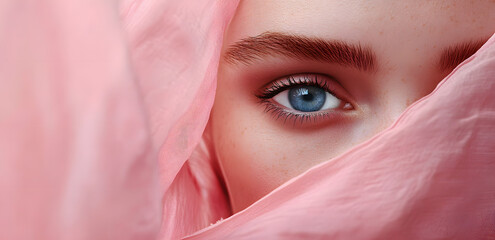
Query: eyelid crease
[(278, 86), (302, 79)]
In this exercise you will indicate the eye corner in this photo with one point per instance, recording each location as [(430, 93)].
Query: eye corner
[(348, 106)]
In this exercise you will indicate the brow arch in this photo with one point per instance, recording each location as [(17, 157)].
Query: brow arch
[(252, 49)]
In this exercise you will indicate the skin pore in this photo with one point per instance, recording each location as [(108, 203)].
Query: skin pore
[(364, 61)]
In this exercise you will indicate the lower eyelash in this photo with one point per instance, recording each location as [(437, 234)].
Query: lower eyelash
[(280, 113)]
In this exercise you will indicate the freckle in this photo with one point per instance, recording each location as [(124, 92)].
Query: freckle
[(381, 32), (392, 18), (409, 102), (385, 92)]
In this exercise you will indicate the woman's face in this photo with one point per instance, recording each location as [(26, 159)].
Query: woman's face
[(300, 82)]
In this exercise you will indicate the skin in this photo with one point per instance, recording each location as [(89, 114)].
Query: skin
[(257, 152)]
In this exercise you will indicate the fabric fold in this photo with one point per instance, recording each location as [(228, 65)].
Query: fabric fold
[(76, 157), (428, 176), (104, 114)]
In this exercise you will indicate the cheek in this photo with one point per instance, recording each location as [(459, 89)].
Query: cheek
[(258, 154), (247, 152)]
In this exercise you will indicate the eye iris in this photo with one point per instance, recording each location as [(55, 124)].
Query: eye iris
[(307, 98)]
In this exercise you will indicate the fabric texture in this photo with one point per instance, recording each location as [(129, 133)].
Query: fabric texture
[(103, 102), (103, 115), (428, 176)]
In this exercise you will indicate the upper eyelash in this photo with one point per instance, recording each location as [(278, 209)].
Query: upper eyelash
[(276, 87), (280, 86)]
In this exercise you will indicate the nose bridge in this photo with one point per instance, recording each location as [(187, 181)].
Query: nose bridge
[(396, 93), (388, 115), (400, 97)]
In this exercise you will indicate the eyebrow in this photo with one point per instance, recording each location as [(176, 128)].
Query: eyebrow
[(268, 44), (251, 49), (456, 54)]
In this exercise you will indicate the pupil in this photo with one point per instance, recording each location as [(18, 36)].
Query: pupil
[(308, 97)]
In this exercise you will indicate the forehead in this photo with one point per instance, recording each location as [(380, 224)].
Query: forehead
[(408, 37), (413, 26), (327, 17)]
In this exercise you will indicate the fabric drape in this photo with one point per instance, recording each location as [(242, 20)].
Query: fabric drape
[(103, 116)]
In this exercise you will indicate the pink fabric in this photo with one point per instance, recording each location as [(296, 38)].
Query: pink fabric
[(101, 104), (104, 104), (431, 175), (176, 47)]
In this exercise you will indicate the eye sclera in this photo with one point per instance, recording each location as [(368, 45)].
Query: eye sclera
[(329, 84)]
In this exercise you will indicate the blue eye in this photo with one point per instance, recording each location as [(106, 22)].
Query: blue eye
[(307, 99)]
